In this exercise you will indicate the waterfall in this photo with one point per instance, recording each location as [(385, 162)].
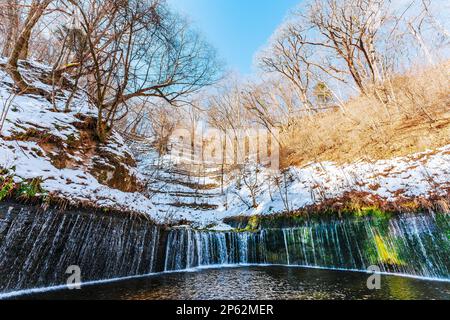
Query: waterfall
[(415, 245), (37, 246)]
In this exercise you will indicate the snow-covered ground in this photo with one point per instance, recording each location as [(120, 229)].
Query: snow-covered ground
[(419, 174), (30, 160), (182, 191)]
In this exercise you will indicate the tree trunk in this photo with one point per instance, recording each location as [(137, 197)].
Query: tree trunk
[(20, 47), (12, 26), (254, 203), (24, 52), (101, 127)]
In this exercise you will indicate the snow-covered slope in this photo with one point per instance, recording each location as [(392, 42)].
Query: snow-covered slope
[(196, 195), (38, 140)]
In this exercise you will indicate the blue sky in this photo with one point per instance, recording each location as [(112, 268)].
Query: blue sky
[(236, 28)]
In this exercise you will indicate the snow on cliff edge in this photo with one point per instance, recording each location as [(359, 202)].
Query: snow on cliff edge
[(423, 174), (32, 129)]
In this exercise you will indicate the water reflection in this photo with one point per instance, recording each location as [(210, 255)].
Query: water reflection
[(257, 283)]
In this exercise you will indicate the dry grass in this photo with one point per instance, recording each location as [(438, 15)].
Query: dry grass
[(416, 117)]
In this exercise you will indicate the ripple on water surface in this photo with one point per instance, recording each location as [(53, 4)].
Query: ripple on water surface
[(257, 283)]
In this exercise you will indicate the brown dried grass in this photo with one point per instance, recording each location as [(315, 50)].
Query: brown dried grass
[(416, 117)]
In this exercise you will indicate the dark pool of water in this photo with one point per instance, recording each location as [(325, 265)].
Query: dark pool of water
[(256, 283)]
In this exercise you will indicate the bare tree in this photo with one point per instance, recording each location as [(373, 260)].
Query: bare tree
[(351, 29), (20, 48), (428, 32), (140, 49), (289, 56), (250, 178), (433, 21), (282, 181), (7, 103), (272, 104), (10, 15), (161, 120)]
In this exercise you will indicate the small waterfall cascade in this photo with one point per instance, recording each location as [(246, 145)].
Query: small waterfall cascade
[(187, 248), (415, 245)]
